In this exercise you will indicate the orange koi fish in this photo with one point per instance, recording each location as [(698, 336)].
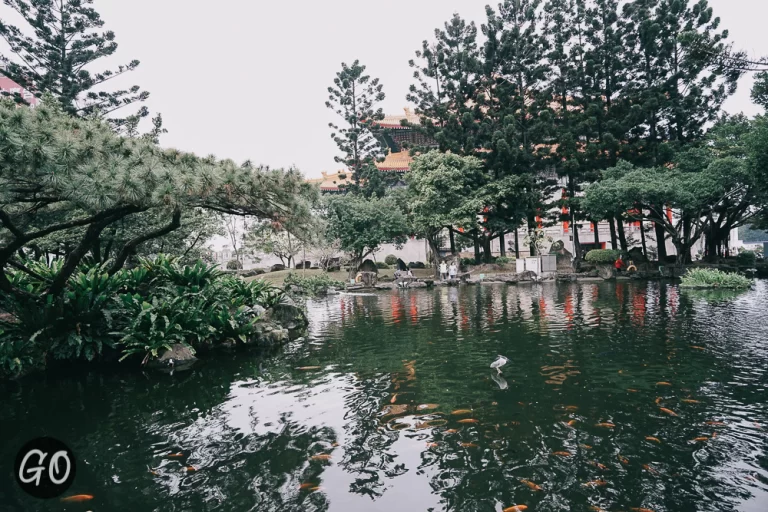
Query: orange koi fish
[(701, 439), (668, 411), (571, 423), (451, 431), (605, 425), (599, 466), (305, 368), (663, 383), (562, 454), (322, 456), (623, 460), (469, 420), (307, 485), (697, 347), (715, 423), (654, 439), (658, 400), (650, 469), (595, 483), (585, 446), (431, 445), (632, 390), (460, 412), (689, 401), (394, 398), (468, 445), (571, 408), (191, 469), (531, 485), (426, 407), (316, 488), (516, 508), (175, 455), (77, 498)]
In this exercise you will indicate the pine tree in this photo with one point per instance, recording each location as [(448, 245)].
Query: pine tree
[(66, 40), (354, 97)]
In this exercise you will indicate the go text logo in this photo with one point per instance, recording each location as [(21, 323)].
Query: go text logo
[(45, 467)]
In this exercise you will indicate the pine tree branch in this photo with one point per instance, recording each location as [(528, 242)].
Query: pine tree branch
[(132, 244)]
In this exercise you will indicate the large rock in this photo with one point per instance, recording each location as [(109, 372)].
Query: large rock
[(179, 356), (368, 266), (606, 271), (251, 272), (417, 284), (386, 286), (276, 267), (288, 316)]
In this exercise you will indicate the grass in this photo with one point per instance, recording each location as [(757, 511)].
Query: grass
[(277, 278), (713, 278)]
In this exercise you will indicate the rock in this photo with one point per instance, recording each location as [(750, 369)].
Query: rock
[(528, 275), (386, 286), (368, 266), (277, 267), (368, 278), (428, 282), (181, 355), (417, 284), (288, 316), (331, 291), (606, 271), (258, 311)]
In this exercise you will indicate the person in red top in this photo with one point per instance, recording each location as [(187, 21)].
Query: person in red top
[(619, 264)]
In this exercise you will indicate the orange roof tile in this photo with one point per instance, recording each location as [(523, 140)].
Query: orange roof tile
[(398, 162), (395, 121), (331, 182)]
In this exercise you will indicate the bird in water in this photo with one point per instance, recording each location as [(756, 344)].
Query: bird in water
[(499, 362)]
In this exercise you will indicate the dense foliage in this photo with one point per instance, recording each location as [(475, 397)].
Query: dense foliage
[(311, 285), (139, 312), (713, 278), (602, 256)]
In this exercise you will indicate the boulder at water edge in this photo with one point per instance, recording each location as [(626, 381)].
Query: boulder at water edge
[(181, 354)]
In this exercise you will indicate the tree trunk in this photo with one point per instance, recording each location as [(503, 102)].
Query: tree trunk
[(661, 242), (612, 224), (432, 241), (687, 239), (517, 245), (453, 242), (476, 243), (487, 256), (642, 239), (596, 234), (622, 235), (502, 249)]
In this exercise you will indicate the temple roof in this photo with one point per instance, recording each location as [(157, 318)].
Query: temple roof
[(395, 121), (331, 182), (396, 162)]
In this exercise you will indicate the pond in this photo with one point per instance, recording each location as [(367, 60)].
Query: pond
[(617, 396)]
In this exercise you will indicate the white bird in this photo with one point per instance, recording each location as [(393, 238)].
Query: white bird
[(499, 362)]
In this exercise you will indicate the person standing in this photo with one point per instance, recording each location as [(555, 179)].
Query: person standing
[(443, 270), (452, 270)]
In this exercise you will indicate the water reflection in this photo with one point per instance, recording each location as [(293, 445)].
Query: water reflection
[(616, 396)]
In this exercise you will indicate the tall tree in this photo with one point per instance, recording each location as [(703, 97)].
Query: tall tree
[(54, 56), (355, 96)]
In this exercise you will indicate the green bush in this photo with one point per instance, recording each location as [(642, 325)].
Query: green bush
[(713, 278), (381, 265), (391, 259), (746, 258), (136, 311), (467, 261), (602, 256), (312, 285), (502, 260)]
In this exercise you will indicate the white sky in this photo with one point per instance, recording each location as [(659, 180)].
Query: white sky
[(248, 78)]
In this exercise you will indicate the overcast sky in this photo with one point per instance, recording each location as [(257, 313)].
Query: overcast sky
[(248, 78)]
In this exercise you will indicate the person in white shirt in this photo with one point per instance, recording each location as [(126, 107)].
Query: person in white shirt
[(452, 270), (443, 270)]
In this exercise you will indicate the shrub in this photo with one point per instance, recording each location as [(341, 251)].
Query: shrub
[(602, 256), (746, 258), (391, 259), (467, 261), (136, 311), (234, 265), (501, 260), (381, 265), (713, 278), (312, 285)]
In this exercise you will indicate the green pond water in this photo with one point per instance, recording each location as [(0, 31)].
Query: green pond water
[(372, 390)]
